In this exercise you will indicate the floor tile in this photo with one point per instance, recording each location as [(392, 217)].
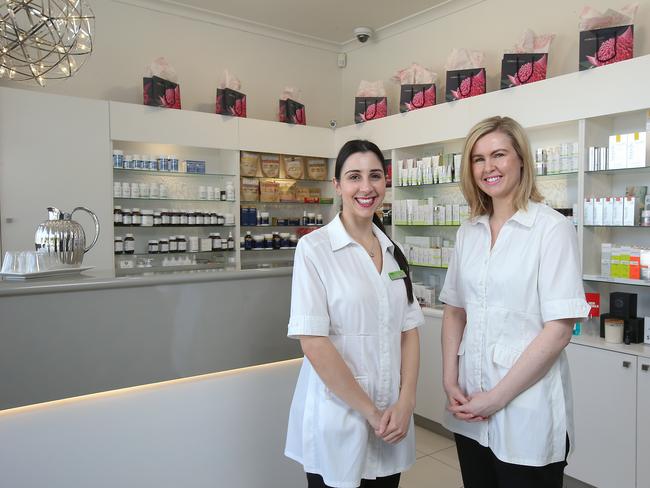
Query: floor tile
[(448, 456), (428, 472), (427, 442), (419, 454)]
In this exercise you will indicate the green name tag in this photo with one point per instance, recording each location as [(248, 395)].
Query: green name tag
[(397, 275)]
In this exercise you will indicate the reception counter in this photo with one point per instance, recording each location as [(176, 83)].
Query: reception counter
[(61, 338)]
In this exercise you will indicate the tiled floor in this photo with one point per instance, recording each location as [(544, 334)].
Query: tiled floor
[(436, 465)]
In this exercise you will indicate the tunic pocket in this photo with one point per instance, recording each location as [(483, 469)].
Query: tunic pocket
[(505, 355)]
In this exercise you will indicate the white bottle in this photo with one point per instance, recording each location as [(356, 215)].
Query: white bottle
[(230, 192)]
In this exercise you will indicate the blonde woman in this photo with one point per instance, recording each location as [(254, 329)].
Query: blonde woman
[(512, 293)]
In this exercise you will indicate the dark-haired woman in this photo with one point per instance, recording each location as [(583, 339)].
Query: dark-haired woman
[(352, 308)]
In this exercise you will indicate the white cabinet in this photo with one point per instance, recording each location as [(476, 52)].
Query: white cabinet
[(430, 393), (643, 424), (54, 151), (604, 392)]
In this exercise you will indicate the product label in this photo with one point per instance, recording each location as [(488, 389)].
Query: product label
[(397, 275)]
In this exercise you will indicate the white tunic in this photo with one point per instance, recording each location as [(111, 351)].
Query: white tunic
[(531, 276), (337, 292)]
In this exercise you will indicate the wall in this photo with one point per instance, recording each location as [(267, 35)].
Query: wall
[(220, 430), (129, 37), (491, 26)]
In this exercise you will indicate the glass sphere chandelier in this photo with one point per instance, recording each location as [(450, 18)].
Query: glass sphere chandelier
[(44, 39)]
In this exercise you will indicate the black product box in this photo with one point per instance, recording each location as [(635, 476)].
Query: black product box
[(230, 102), (632, 328), (292, 112), (413, 97), (622, 305), (369, 108)]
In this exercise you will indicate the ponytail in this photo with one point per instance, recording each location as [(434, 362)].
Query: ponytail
[(399, 257)]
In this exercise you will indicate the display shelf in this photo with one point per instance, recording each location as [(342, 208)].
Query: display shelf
[(557, 176), (202, 200), (620, 281), (169, 173), (274, 265)]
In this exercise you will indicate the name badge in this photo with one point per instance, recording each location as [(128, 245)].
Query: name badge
[(397, 275)]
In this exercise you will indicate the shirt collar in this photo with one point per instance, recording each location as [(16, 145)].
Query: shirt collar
[(339, 237), (525, 217)]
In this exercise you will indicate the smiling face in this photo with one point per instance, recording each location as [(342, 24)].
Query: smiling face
[(496, 166), (361, 186)]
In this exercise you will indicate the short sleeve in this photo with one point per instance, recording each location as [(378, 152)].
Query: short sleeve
[(309, 315), (561, 294), (451, 293), (413, 317)]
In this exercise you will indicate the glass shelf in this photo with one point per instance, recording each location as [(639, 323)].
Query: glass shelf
[(277, 264), (172, 254), (167, 173), (428, 185), (617, 227), (279, 226), (203, 200), (622, 171), (287, 179), (555, 176), (427, 225), (173, 226), (174, 269), (620, 281), (283, 203), (427, 266), (258, 251)]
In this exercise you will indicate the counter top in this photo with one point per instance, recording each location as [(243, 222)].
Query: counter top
[(104, 279), (641, 350)]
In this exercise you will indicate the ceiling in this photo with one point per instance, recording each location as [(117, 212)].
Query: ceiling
[(328, 20)]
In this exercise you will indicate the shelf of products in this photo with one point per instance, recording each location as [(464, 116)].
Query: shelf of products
[(620, 281), (201, 178), (279, 195)]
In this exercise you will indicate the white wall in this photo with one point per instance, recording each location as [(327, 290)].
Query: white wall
[(129, 37), (220, 430), (491, 26)]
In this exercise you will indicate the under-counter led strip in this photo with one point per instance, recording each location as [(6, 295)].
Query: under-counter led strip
[(131, 389)]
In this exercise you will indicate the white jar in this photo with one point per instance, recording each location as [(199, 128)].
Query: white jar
[(135, 190), (614, 331), (203, 194), (154, 190), (210, 192), (117, 190), (144, 190), (126, 189), (147, 218), (162, 190)]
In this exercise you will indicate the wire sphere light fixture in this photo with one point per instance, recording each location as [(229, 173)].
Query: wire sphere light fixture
[(44, 39)]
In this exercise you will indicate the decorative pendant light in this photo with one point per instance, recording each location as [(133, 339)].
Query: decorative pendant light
[(44, 39)]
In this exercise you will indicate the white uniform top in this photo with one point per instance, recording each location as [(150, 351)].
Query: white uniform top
[(337, 292), (531, 276)]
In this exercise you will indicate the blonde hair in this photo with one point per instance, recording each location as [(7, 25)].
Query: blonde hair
[(479, 202)]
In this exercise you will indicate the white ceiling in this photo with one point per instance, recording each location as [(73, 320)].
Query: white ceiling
[(329, 20)]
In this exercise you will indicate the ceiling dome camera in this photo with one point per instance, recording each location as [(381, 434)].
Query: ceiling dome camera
[(363, 33)]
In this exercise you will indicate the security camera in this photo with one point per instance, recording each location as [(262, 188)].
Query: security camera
[(332, 124), (363, 34)]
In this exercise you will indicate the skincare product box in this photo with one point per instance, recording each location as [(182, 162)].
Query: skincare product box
[(598, 211), (608, 211), (636, 150), (617, 218), (617, 151), (589, 211), (605, 259), (630, 211)]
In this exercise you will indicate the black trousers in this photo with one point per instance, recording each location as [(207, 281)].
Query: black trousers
[(481, 469), (392, 481)]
